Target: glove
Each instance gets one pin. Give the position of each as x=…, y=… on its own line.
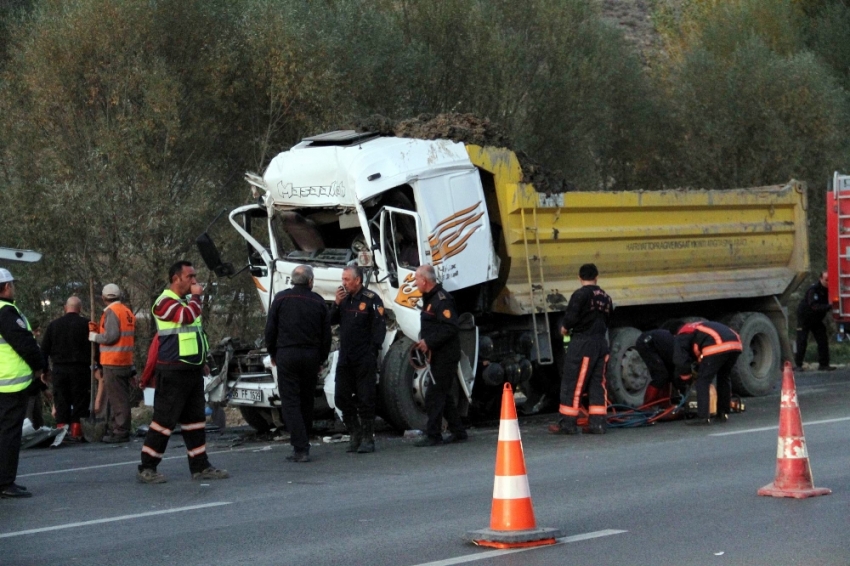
x=93, y=326
x=93, y=336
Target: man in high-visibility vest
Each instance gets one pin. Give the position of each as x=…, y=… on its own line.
x=180, y=368
x=116, y=336
x=20, y=365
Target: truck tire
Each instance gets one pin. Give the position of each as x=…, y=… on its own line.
x=257, y=418
x=627, y=375
x=401, y=390
x=759, y=367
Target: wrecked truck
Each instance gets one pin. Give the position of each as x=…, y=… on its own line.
x=509, y=252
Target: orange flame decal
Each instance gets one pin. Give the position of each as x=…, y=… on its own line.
x=408, y=293
x=451, y=234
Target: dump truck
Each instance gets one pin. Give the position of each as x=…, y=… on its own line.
x=509, y=252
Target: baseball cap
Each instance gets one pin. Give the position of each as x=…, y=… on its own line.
x=5, y=276
x=111, y=291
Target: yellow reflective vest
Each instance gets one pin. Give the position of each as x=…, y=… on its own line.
x=15, y=373
x=184, y=343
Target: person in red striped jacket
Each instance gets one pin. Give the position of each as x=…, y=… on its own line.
x=714, y=348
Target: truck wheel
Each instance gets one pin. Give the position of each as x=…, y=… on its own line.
x=627, y=375
x=259, y=419
x=759, y=366
x=402, y=389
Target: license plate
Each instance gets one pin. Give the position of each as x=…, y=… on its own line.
x=248, y=394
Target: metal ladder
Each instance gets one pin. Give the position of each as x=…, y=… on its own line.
x=841, y=193
x=537, y=291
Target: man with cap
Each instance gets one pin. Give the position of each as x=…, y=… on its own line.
x=66, y=345
x=20, y=366
x=116, y=337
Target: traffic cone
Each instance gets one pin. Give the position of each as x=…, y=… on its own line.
x=793, y=472
x=512, y=523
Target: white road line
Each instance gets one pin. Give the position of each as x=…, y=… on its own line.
x=113, y=519
x=136, y=461
x=764, y=428
x=493, y=553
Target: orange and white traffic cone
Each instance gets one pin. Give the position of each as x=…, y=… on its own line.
x=512, y=523
x=793, y=471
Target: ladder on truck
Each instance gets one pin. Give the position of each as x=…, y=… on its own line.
x=536, y=290
x=841, y=199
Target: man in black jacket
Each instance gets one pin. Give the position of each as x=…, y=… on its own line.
x=810, y=313
x=362, y=328
x=66, y=345
x=586, y=321
x=298, y=338
x=439, y=337
x=20, y=369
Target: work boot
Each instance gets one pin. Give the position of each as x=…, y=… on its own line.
x=298, y=457
x=211, y=473
x=698, y=422
x=356, y=432
x=368, y=437
x=597, y=425
x=149, y=475
x=460, y=436
x=427, y=441
x=14, y=491
x=565, y=425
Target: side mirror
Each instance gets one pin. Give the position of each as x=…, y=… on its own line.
x=211, y=257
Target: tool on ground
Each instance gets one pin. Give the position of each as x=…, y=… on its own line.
x=512, y=523
x=793, y=471
x=93, y=427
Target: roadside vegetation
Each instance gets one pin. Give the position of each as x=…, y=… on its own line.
x=126, y=127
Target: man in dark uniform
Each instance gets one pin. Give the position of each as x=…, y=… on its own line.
x=362, y=328
x=20, y=368
x=586, y=321
x=715, y=348
x=810, y=312
x=66, y=344
x=655, y=348
x=439, y=337
x=298, y=338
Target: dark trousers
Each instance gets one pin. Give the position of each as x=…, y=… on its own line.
x=297, y=373
x=584, y=368
x=818, y=330
x=116, y=381
x=13, y=407
x=179, y=398
x=355, y=389
x=719, y=366
x=441, y=397
x=71, y=393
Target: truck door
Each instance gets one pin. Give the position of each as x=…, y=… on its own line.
x=402, y=249
x=459, y=240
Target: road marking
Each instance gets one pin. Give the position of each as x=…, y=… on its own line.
x=764, y=428
x=493, y=553
x=113, y=519
x=65, y=471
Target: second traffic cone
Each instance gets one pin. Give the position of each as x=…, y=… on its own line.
x=512, y=523
x=793, y=471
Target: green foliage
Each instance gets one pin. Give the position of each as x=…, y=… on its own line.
x=125, y=127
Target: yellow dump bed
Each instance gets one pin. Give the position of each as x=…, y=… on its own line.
x=651, y=247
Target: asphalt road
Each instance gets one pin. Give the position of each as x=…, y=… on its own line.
x=667, y=494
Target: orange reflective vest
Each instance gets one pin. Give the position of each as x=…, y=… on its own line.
x=121, y=352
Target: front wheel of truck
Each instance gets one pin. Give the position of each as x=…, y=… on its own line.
x=257, y=418
x=402, y=389
x=759, y=367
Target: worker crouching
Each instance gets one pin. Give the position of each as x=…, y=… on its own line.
x=714, y=348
